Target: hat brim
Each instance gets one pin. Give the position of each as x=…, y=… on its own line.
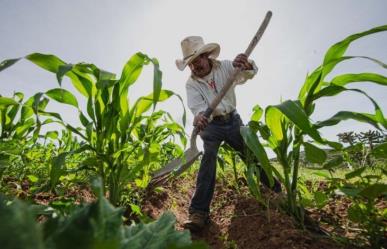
x=212, y=48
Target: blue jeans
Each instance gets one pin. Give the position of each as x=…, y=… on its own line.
x=213, y=135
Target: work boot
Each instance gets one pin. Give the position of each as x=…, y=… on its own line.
x=196, y=221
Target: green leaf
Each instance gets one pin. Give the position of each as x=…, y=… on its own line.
x=274, y=119
x=328, y=67
x=355, y=173
x=7, y=63
x=334, y=90
x=157, y=83
x=131, y=71
x=18, y=228
x=98, y=225
x=344, y=79
x=320, y=198
x=256, y=147
x=144, y=103
x=310, y=84
x=314, y=154
x=57, y=169
x=322, y=174
x=49, y=62
x=32, y=178
x=257, y=113
x=158, y=234
x=355, y=213
x=253, y=178
x=293, y=111
x=345, y=115
x=184, y=117
x=380, y=151
x=337, y=50
x=62, y=96
x=52, y=134
x=373, y=191
x=105, y=84
x=51, y=114
x=5, y=102
x=83, y=119
x=55, y=65
x=350, y=191
x=333, y=163
x=62, y=70
x=332, y=57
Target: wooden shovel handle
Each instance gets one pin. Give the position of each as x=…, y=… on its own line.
x=231, y=79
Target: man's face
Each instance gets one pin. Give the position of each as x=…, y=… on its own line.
x=201, y=65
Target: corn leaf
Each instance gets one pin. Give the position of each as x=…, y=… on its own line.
x=157, y=84
x=355, y=173
x=333, y=89
x=256, y=147
x=62, y=96
x=55, y=65
x=293, y=111
x=333, y=56
x=310, y=84
x=5, y=102
x=274, y=119
x=143, y=104
x=380, y=151
x=7, y=63
x=345, y=115
x=314, y=154
x=132, y=70
x=62, y=70
x=344, y=79
x=373, y=191
x=337, y=50
x=333, y=163
x=257, y=113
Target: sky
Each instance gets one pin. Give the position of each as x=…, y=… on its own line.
x=107, y=33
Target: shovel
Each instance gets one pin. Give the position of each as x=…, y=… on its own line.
x=179, y=165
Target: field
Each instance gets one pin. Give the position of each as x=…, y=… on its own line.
x=88, y=186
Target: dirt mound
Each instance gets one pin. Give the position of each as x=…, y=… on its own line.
x=237, y=219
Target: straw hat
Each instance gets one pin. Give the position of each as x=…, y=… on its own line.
x=192, y=46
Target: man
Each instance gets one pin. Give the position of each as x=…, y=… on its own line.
x=208, y=76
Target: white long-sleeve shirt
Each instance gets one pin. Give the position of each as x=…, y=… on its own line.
x=201, y=91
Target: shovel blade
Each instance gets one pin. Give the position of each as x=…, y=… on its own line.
x=179, y=165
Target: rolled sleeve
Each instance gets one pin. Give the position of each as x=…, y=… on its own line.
x=245, y=75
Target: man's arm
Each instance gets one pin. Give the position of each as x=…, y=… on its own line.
x=242, y=62
x=248, y=67
x=197, y=105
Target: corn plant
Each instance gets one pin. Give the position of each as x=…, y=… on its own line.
x=110, y=121
x=20, y=125
x=17, y=119
x=288, y=125
x=228, y=156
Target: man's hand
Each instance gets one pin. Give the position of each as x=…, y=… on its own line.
x=241, y=62
x=200, y=121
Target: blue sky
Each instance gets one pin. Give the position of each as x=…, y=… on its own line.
x=107, y=33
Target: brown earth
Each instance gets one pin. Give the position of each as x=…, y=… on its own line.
x=237, y=219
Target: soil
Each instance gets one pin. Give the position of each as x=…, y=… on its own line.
x=237, y=219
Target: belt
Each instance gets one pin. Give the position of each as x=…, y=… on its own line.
x=226, y=117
